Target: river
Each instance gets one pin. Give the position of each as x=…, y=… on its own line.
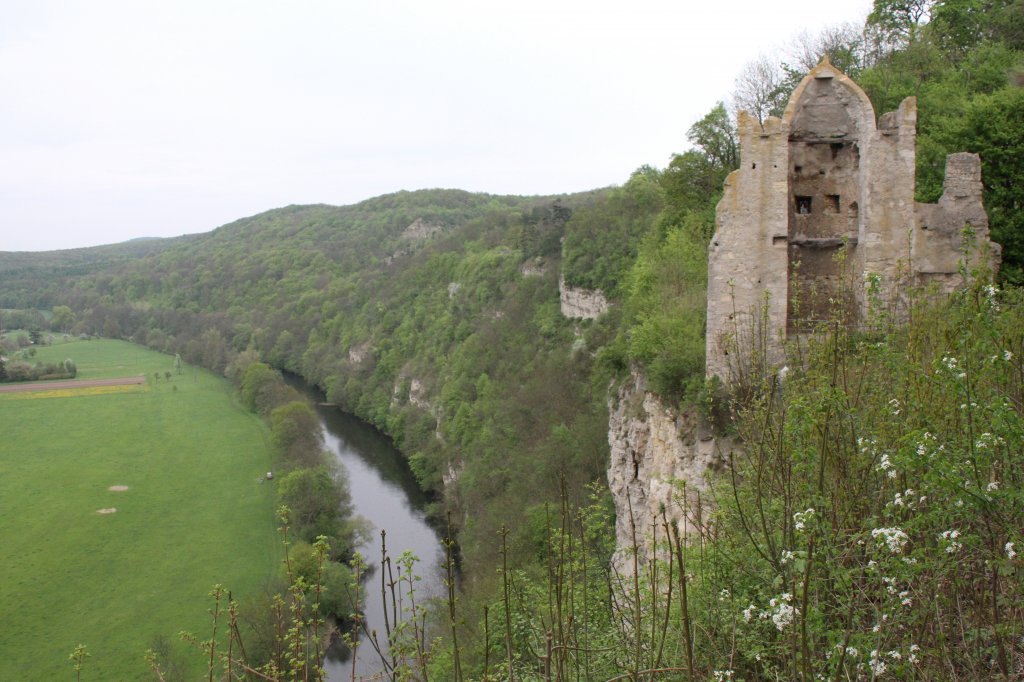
x=385, y=493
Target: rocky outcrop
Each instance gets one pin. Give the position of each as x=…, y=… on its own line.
x=655, y=455
x=535, y=267
x=417, y=231
x=585, y=304
x=360, y=353
x=418, y=396
x=420, y=229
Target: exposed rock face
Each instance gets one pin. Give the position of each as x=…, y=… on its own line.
x=823, y=201
x=420, y=229
x=654, y=452
x=533, y=268
x=359, y=354
x=450, y=477
x=581, y=303
x=418, y=396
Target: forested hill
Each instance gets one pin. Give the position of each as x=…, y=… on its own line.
x=433, y=314
x=349, y=236
x=24, y=272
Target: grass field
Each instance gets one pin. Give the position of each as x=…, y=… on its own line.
x=196, y=512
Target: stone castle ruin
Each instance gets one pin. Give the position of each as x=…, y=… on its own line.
x=823, y=202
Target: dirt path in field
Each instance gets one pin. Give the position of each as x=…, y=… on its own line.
x=85, y=383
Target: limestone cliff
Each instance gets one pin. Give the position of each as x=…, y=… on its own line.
x=654, y=452
x=585, y=304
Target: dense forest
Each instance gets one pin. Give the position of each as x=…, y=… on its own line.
x=434, y=315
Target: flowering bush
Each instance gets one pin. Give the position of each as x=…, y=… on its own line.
x=869, y=523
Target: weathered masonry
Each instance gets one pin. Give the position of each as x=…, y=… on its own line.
x=822, y=203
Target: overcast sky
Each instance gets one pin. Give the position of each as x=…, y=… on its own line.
x=143, y=119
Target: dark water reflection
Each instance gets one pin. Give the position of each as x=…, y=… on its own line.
x=385, y=493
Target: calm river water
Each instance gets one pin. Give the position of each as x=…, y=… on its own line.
x=385, y=493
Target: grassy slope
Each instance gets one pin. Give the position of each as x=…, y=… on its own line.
x=196, y=513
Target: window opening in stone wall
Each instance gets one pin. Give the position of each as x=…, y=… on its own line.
x=832, y=203
x=836, y=147
x=797, y=169
x=803, y=205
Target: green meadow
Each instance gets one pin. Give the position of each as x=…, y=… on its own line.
x=119, y=511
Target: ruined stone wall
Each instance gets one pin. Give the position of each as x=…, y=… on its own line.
x=747, y=255
x=938, y=246
x=889, y=202
x=822, y=199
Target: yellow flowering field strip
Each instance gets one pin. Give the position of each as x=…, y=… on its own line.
x=75, y=392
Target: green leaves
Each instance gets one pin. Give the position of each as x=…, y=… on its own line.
x=666, y=301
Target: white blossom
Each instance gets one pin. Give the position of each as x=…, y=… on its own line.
x=904, y=499
x=877, y=664
x=950, y=538
x=1010, y=551
x=783, y=616
x=800, y=518
x=783, y=612
x=988, y=440
x=894, y=538
x=991, y=291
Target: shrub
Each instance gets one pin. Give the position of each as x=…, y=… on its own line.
x=296, y=435
x=319, y=502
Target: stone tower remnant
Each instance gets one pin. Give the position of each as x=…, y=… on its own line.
x=822, y=203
